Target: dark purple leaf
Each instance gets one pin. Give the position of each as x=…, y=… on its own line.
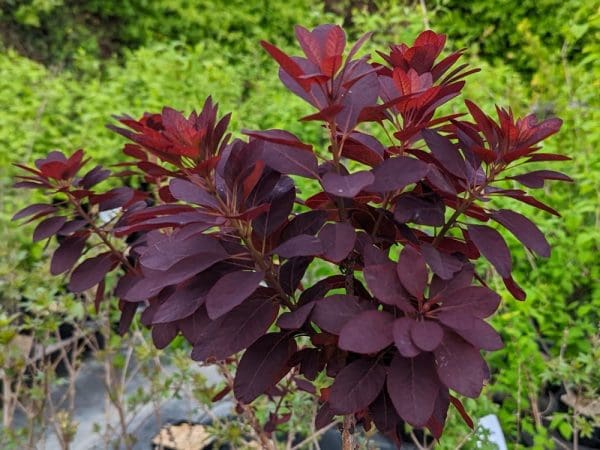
x=547, y=157
x=194, y=325
x=281, y=198
x=475, y=331
x=445, y=152
x=306, y=223
x=90, y=272
x=442, y=264
x=397, y=173
x=338, y=240
x=524, y=230
x=188, y=192
x=154, y=303
x=382, y=280
x=152, y=281
x=356, y=386
x=290, y=160
x=419, y=210
x=438, y=180
x=201, y=220
x=186, y=298
x=94, y=176
x=455, y=318
x=462, y=278
x=324, y=416
x=310, y=362
x=332, y=313
x=437, y=421
x=536, y=178
x=29, y=185
x=295, y=319
x=115, y=198
x=263, y=365
x=463, y=413
x=231, y=290
x=491, y=245
x=292, y=271
x=287, y=64
x=402, y=339
x=301, y=245
x=48, y=227
x=71, y=226
x=372, y=255
x=477, y=301
x=163, y=334
x=38, y=209
x=383, y=413
x=363, y=148
x=347, y=186
x=412, y=271
x=279, y=137
x=459, y=365
x=67, y=254
x=362, y=94
x=170, y=249
x=426, y=335
x=368, y=332
x=515, y=290
x=128, y=310
x=413, y=386
x=321, y=288
x=235, y=330
x=305, y=386
x=100, y=290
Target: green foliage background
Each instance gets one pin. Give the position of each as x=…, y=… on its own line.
x=66, y=66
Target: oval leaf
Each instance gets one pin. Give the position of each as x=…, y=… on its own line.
x=401, y=332
x=491, y=244
x=524, y=230
x=397, y=173
x=90, y=272
x=347, y=186
x=368, y=332
x=338, y=240
x=231, y=290
x=412, y=271
x=262, y=366
x=459, y=365
x=426, y=335
x=48, y=227
x=67, y=254
x=332, y=313
x=356, y=386
x=302, y=245
x=413, y=387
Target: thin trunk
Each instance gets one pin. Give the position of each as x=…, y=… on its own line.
x=347, y=433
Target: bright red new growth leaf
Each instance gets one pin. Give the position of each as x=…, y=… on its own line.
x=216, y=245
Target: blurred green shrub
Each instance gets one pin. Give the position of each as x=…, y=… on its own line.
x=493, y=27
x=59, y=32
